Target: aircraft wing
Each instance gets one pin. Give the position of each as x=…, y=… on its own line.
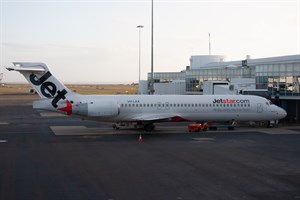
x=158, y=117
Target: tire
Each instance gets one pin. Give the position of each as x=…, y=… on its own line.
x=149, y=127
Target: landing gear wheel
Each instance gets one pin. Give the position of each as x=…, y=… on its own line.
x=115, y=127
x=270, y=125
x=149, y=127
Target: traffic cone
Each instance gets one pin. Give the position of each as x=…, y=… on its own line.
x=140, y=139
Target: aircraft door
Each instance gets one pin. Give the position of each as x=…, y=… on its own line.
x=260, y=108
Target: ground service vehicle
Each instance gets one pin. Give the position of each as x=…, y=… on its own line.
x=197, y=127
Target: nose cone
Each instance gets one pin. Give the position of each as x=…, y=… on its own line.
x=278, y=113
x=281, y=113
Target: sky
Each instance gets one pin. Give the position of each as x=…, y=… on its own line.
x=97, y=41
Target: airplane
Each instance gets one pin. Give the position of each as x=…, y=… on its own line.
x=143, y=110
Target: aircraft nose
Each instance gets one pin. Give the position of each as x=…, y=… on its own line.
x=279, y=112
x=282, y=113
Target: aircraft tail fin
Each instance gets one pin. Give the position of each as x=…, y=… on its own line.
x=42, y=80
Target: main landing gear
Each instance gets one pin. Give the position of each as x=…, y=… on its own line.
x=149, y=127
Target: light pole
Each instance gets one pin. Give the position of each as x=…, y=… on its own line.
x=140, y=27
x=152, y=78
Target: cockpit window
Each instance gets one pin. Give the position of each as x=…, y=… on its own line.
x=269, y=103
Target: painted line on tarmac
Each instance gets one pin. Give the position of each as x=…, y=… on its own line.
x=80, y=130
x=204, y=139
x=3, y=141
x=277, y=131
x=52, y=114
x=4, y=123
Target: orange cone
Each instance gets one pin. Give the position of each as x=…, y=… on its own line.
x=140, y=139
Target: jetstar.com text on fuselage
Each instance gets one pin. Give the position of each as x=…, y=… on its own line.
x=231, y=101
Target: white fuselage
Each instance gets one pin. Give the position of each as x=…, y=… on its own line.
x=129, y=108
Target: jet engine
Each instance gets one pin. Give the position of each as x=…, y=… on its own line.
x=96, y=109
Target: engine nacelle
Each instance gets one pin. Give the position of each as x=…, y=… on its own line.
x=97, y=109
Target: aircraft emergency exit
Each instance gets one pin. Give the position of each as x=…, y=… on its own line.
x=144, y=110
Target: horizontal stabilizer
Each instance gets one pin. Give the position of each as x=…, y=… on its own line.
x=19, y=69
x=27, y=67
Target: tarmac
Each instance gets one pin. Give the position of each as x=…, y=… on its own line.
x=52, y=156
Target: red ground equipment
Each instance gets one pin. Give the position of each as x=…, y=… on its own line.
x=196, y=127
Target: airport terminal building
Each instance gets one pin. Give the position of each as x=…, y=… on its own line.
x=279, y=77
